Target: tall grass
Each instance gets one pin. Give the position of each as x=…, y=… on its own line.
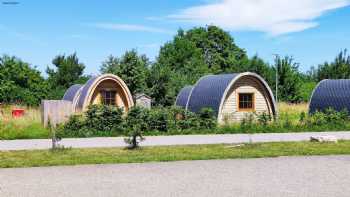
x=25, y=127
x=291, y=111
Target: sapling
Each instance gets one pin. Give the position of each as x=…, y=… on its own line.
x=135, y=137
x=54, y=138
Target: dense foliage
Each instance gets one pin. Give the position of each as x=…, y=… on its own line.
x=189, y=56
x=182, y=61
x=19, y=83
x=68, y=71
x=131, y=67
x=338, y=69
x=100, y=120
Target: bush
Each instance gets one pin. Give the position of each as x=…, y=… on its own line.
x=158, y=119
x=247, y=122
x=75, y=127
x=104, y=118
x=98, y=120
x=264, y=118
x=329, y=117
x=207, y=118
x=137, y=116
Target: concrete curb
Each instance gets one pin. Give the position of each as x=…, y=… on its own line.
x=169, y=140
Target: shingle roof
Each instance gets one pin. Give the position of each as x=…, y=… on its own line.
x=331, y=93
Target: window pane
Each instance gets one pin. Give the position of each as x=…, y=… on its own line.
x=245, y=101
x=108, y=97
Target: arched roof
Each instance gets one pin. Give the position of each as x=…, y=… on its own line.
x=72, y=92
x=85, y=91
x=331, y=93
x=182, y=97
x=210, y=92
x=81, y=95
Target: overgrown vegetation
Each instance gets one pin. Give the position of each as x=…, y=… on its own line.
x=101, y=120
x=27, y=127
x=169, y=121
x=11, y=159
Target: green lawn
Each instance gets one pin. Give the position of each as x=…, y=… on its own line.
x=167, y=153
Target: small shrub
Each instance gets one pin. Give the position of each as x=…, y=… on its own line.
x=207, y=118
x=287, y=123
x=247, y=122
x=158, y=119
x=264, y=118
x=136, y=123
x=135, y=137
x=302, y=118
x=137, y=116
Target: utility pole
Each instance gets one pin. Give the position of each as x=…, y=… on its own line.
x=276, y=80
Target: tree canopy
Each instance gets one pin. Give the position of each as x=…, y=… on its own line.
x=67, y=72
x=289, y=79
x=19, y=83
x=189, y=56
x=338, y=69
x=131, y=67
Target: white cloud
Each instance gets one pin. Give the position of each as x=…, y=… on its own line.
x=131, y=27
x=274, y=17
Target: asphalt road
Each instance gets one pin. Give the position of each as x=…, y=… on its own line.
x=284, y=176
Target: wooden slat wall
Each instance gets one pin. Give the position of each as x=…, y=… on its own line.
x=244, y=85
x=58, y=111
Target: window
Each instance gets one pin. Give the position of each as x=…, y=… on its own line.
x=108, y=97
x=245, y=101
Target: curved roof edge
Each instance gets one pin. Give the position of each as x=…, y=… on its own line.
x=93, y=82
x=313, y=92
x=208, y=92
x=211, y=91
x=240, y=75
x=334, y=93
x=183, y=96
x=72, y=92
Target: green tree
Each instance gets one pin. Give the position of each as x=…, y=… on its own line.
x=68, y=71
x=189, y=56
x=131, y=67
x=219, y=51
x=289, y=79
x=338, y=69
x=260, y=67
x=19, y=83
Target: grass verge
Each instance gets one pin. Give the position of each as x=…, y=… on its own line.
x=10, y=159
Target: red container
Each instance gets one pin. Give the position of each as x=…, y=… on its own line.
x=16, y=113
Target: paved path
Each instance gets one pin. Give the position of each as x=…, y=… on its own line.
x=168, y=140
x=274, y=177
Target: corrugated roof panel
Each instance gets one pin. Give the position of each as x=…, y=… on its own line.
x=331, y=93
x=85, y=91
x=71, y=92
x=208, y=92
x=182, y=97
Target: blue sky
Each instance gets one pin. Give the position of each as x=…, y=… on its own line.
x=313, y=31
